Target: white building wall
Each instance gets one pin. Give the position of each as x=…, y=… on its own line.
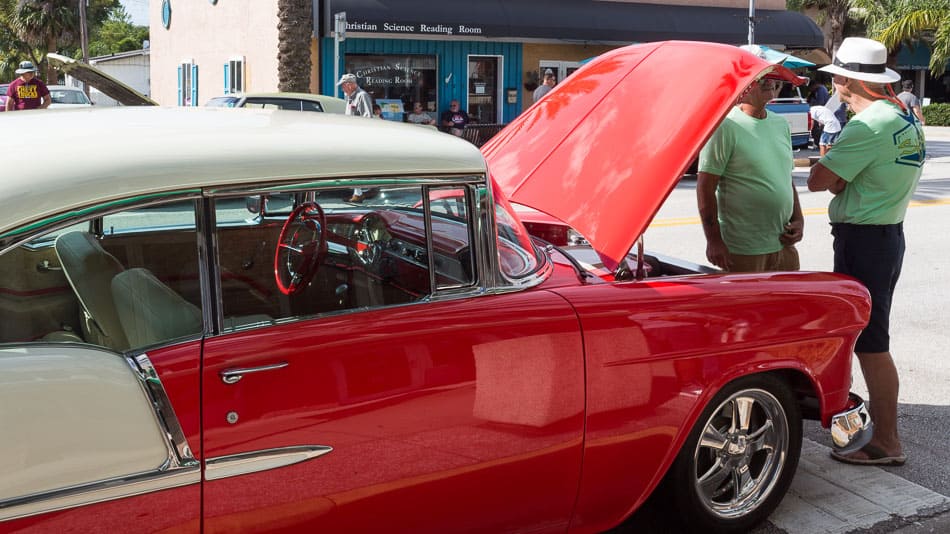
x=209, y=35
x=131, y=70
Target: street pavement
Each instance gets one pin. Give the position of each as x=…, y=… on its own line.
x=827, y=497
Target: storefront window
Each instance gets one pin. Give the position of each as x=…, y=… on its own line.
x=395, y=79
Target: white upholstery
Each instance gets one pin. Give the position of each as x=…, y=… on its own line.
x=90, y=269
x=150, y=311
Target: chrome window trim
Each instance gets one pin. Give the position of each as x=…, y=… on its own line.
x=293, y=185
x=180, y=467
x=263, y=460
x=59, y=221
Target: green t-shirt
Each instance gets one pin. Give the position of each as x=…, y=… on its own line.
x=753, y=158
x=879, y=153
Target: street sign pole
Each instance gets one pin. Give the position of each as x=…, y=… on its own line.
x=751, y=22
x=339, y=35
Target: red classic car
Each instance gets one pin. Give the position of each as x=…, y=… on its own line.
x=171, y=360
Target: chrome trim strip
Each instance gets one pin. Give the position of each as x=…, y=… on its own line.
x=263, y=460
x=180, y=468
x=96, y=492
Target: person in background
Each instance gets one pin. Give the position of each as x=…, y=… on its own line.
x=377, y=111
x=455, y=119
x=358, y=101
x=549, y=82
x=817, y=96
x=747, y=202
x=358, y=104
x=830, y=127
x=418, y=116
x=872, y=171
x=27, y=91
x=910, y=100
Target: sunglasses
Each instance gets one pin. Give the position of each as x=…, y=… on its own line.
x=769, y=85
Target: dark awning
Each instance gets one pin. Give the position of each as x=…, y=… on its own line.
x=590, y=21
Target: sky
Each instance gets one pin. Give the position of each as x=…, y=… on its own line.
x=138, y=10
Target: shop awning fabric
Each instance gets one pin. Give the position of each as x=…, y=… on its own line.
x=589, y=21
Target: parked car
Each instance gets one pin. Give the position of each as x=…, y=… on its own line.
x=109, y=86
x=66, y=97
x=793, y=108
x=288, y=101
x=415, y=362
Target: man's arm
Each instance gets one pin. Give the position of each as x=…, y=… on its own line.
x=45, y=101
x=8, y=106
x=920, y=115
x=716, y=250
x=822, y=179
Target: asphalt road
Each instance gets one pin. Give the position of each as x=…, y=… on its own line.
x=827, y=497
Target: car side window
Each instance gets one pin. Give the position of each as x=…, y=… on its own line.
x=338, y=250
x=136, y=285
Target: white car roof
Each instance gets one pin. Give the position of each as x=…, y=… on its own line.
x=62, y=161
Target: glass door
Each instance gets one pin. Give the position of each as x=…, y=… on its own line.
x=484, y=104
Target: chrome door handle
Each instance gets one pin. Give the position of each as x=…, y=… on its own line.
x=233, y=376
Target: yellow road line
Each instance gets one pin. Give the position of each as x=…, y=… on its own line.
x=687, y=221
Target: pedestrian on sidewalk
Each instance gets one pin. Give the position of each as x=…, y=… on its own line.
x=360, y=104
x=910, y=100
x=830, y=127
x=872, y=170
x=747, y=202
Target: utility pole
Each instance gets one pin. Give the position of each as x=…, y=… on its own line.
x=751, y=22
x=84, y=38
x=339, y=35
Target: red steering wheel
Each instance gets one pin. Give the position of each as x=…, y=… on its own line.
x=300, y=248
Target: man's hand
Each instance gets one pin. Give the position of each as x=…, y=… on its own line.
x=794, y=231
x=821, y=179
x=717, y=253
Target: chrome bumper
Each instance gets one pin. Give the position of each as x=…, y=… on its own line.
x=852, y=428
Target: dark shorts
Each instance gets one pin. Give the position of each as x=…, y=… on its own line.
x=873, y=254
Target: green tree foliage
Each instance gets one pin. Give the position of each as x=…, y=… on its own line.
x=837, y=12
x=31, y=28
x=116, y=34
x=896, y=22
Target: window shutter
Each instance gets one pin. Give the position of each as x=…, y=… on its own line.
x=227, y=79
x=194, y=85
x=181, y=95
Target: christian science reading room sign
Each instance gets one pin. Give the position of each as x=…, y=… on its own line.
x=415, y=28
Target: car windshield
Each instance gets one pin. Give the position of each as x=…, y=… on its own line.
x=3, y=90
x=68, y=96
x=222, y=102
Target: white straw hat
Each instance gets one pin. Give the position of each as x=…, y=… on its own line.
x=862, y=59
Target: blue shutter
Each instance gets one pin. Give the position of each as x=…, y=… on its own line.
x=194, y=85
x=227, y=81
x=181, y=95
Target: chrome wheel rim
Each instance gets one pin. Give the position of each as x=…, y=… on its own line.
x=740, y=454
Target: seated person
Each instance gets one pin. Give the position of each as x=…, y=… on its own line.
x=455, y=119
x=418, y=116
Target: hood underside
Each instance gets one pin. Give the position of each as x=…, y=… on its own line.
x=605, y=147
x=106, y=84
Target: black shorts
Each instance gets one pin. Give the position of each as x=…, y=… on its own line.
x=873, y=254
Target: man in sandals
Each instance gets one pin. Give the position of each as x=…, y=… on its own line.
x=872, y=170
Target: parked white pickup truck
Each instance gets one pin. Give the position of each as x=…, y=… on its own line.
x=794, y=108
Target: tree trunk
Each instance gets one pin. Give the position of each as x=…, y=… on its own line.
x=294, y=33
x=837, y=17
x=50, y=71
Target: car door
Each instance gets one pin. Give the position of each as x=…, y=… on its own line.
x=401, y=409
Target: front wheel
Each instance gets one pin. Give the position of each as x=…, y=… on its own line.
x=739, y=460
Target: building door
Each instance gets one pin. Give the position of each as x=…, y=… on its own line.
x=484, y=89
x=561, y=69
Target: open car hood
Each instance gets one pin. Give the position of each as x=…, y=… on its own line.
x=605, y=147
x=105, y=83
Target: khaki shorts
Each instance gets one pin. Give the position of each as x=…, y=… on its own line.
x=783, y=260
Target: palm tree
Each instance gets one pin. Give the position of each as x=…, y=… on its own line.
x=837, y=13
x=47, y=24
x=294, y=32
x=909, y=21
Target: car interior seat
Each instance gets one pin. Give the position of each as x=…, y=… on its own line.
x=150, y=311
x=90, y=270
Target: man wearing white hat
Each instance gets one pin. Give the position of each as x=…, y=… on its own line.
x=872, y=170
x=27, y=91
x=359, y=104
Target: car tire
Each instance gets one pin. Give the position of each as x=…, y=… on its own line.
x=762, y=457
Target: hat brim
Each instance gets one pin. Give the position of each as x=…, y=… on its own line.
x=888, y=76
x=24, y=71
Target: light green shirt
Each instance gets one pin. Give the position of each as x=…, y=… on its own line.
x=880, y=154
x=753, y=158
